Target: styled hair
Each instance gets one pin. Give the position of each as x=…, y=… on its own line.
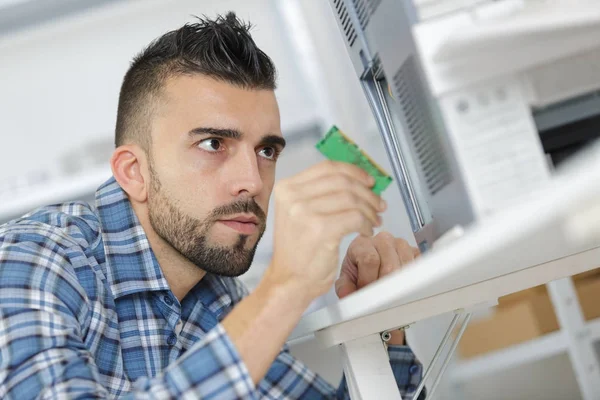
x=222, y=49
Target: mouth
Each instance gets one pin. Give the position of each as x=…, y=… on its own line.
x=245, y=224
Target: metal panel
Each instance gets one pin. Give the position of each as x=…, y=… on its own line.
x=364, y=10
x=347, y=22
x=429, y=151
x=381, y=46
x=441, y=196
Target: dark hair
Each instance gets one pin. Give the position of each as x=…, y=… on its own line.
x=221, y=48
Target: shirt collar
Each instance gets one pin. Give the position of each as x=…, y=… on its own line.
x=131, y=265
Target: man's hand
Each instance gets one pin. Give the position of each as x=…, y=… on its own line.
x=370, y=258
x=314, y=210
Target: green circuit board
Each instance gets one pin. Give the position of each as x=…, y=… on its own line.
x=336, y=146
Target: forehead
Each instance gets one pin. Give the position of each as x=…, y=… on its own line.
x=192, y=101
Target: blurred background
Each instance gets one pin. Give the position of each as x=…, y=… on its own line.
x=60, y=74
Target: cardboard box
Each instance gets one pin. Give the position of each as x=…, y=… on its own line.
x=591, y=274
x=514, y=298
x=518, y=296
x=525, y=316
x=588, y=291
x=516, y=322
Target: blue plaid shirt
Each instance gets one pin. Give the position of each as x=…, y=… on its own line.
x=86, y=312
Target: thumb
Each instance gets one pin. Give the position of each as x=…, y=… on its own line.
x=344, y=286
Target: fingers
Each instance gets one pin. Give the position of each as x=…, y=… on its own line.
x=347, y=222
x=391, y=258
x=345, y=286
x=328, y=168
x=416, y=252
x=361, y=251
x=342, y=202
x=341, y=183
x=364, y=256
x=405, y=251
x=394, y=253
x=333, y=189
x=372, y=258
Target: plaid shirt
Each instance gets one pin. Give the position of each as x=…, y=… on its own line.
x=86, y=312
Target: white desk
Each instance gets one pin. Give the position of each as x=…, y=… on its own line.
x=554, y=235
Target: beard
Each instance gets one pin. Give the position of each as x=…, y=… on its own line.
x=189, y=236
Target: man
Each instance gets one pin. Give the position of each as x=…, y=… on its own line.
x=137, y=297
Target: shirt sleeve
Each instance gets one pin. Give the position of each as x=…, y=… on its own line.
x=43, y=353
x=408, y=371
x=290, y=378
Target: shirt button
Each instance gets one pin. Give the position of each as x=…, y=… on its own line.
x=172, y=340
x=178, y=327
x=168, y=300
x=413, y=369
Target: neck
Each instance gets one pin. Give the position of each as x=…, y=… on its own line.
x=180, y=273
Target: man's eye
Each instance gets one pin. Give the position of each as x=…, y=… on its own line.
x=269, y=153
x=212, y=145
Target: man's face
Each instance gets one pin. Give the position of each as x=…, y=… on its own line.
x=212, y=166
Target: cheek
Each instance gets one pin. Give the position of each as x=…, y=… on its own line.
x=267, y=174
x=199, y=175
x=202, y=163
x=193, y=192
x=268, y=183
x=193, y=183
x=204, y=193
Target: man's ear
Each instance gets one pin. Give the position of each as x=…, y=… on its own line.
x=130, y=168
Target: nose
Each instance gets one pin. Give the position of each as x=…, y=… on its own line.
x=244, y=175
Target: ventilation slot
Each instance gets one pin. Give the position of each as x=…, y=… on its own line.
x=364, y=10
x=345, y=21
x=374, y=4
x=421, y=129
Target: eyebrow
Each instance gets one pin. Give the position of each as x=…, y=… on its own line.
x=273, y=140
x=225, y=133
x=267, y=140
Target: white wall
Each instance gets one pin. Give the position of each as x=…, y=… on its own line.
x=59, y=83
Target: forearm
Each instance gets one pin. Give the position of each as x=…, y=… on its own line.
x=261, y=323
x=397, y=338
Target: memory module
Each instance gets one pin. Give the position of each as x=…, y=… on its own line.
x=336, y=146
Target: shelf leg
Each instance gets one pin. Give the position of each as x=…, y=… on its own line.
x=579, y=338
x=367, y=369
x=438, y=353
